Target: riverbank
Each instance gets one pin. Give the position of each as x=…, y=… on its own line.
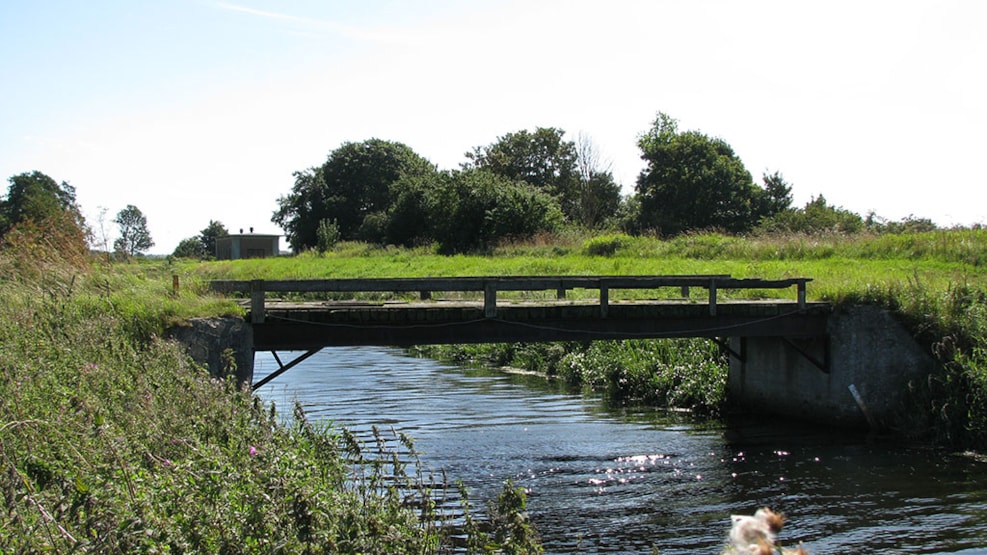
x=686, y=374
x=111, y=441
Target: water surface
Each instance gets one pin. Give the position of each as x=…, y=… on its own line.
x=613, y=481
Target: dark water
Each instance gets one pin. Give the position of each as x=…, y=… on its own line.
x=604, y=481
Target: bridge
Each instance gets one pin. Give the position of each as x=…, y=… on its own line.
x=307, y=315
x=847, y=365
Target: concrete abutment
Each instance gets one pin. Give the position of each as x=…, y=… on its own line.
x=224, y=346
x=858, y=376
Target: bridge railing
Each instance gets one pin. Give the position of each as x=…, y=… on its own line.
x=490, y=286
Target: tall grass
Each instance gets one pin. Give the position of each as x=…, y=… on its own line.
x=112, y=441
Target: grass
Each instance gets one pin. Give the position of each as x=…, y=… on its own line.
x=838, y=264
x=112, y=441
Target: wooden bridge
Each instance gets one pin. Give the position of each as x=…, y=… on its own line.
x=307, y=315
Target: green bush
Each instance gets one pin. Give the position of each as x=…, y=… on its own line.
x=672, y=373
x=327, y=235
x=475, y=209
x=605, y=245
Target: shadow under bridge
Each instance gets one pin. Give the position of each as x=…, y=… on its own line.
x=307, y=315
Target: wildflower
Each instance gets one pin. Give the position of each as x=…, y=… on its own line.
x=253, y=451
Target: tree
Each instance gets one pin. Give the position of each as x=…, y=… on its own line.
x=542, y=159
x=209, y=234
x=693, y=182
x=355, y=182
x=134, y=237
x=203, y=245
x=300, y=212
x=41, y=226
x=776, y=196
x=816, y=217
x=412, y=215
x=35, y=196
x=908, y=224
x=598, y=201
x=474, y=209
x=598, y=195
x=103, y=237
x=190, y=247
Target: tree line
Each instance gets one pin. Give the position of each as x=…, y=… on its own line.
x=529, y=182
x=522, y=184
x=38, y=213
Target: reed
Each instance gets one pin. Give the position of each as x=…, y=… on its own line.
x=112, y=441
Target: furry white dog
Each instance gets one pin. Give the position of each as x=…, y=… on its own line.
x=755, y=535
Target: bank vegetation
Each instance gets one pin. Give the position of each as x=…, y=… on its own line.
x=113, y=441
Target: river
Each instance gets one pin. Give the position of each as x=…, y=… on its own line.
x=601, y=480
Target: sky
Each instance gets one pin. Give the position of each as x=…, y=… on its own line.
x=200, y=110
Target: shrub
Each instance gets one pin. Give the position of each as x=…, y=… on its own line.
x=33, y=249
x=327, y=235
x=605, y=245
x=670, y=373
x=475, y=210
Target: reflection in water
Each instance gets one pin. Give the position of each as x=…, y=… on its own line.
x=604, y=481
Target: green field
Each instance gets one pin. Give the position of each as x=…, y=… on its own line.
x=839, y=265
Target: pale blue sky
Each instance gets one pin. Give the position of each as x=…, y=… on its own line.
x=195, y=110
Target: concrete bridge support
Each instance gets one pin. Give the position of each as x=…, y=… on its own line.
x=225, y=346
x=857, y=376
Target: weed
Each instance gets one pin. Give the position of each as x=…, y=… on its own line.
x=111, y=440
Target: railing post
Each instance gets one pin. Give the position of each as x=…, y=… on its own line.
x=490, y=299
x=801, y=295
x=604, y=299
x=712, y=297
x=257, y=301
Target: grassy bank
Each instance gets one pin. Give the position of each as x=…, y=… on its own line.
x=935, y=281
x=112, y=442
x=668, y=373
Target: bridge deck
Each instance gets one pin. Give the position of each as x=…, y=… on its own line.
x=303, y=326
x=281, y=325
